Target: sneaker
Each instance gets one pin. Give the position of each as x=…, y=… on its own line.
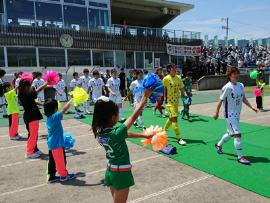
x=182, y=142
x=88, y=113
x=136, y=125
x=122, y=120
x=16, y=138
x=163, y=116
x=219, y=149
x=54, y=180
x=68, y=177
x=32, y=156
x=144, y=128
x=40, y=152
x=243, y=160
x=189, y=120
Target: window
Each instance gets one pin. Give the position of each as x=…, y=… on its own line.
x=130, y=60
x=81, y=2
x=148, y=60
x=75, y=17
x=49, y=19
x=52, y=57
x=20, y=12
x=104, y=18
x=93, y=17
x=139, y=60
x=98, y=58
x=2, y=57
x=120, y=59
x=164, y=58
x=108, y=59
x=21, y=57
x=95, y=4
x=79, y=57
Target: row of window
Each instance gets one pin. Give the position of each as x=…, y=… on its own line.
x=23, y=12
x=26, y=57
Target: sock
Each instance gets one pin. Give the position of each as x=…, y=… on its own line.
x=224, y=139
x=238, y=147
x=168, y=124
x=121, y=111
x=176, y=130
x=140, y=121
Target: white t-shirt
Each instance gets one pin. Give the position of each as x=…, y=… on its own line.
x=74, y=83
x=84, y=81
x=134, y=86
x=114, y=85
x=232, y=97
x=96, y=85
x=36, y=84
x=60, y=86
x=17, y=82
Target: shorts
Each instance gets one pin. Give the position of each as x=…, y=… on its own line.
x=233, y=126
x=172, y=110
x=119, y=180
x=2, y=101
x=116, y=99
x=61, y=98
x=95, y=97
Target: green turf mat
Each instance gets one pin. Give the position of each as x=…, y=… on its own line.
x=200, y=153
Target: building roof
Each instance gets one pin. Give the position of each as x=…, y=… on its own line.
x=147, y=13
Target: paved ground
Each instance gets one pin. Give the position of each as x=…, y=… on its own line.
x=158, y=179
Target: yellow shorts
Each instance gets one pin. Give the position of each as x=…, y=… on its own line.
x=172, y=110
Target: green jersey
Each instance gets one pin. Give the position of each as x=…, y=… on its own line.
x=188, y=86
x=114, y=142
x=11, y=99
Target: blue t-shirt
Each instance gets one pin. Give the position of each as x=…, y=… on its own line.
x=55, y=131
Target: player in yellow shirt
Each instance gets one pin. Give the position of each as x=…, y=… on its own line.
x=172, y=84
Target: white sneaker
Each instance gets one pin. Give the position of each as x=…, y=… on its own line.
x=182, y=142
x=32, y=156
x=163, y=116
x=40, y=152
x=17, y=137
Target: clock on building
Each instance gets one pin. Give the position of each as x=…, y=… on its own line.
x=66, y=40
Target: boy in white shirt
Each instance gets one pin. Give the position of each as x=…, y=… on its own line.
x=60, y=89
x=96, y=86
x=232, y=97
x=113, y=85
x=83, y=82
x=38, y=82
x=73, y=84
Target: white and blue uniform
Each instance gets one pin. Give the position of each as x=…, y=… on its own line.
x=73, y=84
x=36, y=84
x=97, y=87
x=2, y=98
x=84, y=82
x=135, y=85
x=232, y=96
x=60, y=91
x=114, y=85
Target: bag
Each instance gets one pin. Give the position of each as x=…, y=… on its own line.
x=169, y=150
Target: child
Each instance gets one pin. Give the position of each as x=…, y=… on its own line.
x=27, y=96
x=96, y=86
x=232, y=97
x=118, y=175
x=3, y=104
x=38, y=82
x=60, y=89
x=83, y=82
x=137, y=84
x=161, y=99
x=187, y=85
x=12, y=111
x=73, y=84
x=57, y=156
x=113, y=85
x=259, y=99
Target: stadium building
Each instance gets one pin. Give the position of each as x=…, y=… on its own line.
x=99, y=33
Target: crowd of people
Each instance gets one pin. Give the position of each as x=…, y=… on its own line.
x=214, y=61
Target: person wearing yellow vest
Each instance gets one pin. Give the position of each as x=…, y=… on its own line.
x=172, y=85
x=12, y=111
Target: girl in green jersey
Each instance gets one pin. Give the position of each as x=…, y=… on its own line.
x=118, y=175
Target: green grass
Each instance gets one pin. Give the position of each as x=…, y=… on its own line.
x=203, y=133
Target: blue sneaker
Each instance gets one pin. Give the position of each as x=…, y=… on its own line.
x=68, y=177
x=243, y=160
x=54, y=180
x=219, y=149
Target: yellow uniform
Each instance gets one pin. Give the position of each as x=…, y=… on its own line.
x=172, y=85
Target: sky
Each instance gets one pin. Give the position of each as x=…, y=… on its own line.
x=247, y=18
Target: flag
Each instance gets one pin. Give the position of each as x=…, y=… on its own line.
x=206, y=40
x=216, y=41
x=236, y=42
x=226, y=41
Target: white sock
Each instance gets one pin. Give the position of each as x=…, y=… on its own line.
x=224, y=139
x=238, y=147
x=121, y=111
x=140, y=121
x=4, y=109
